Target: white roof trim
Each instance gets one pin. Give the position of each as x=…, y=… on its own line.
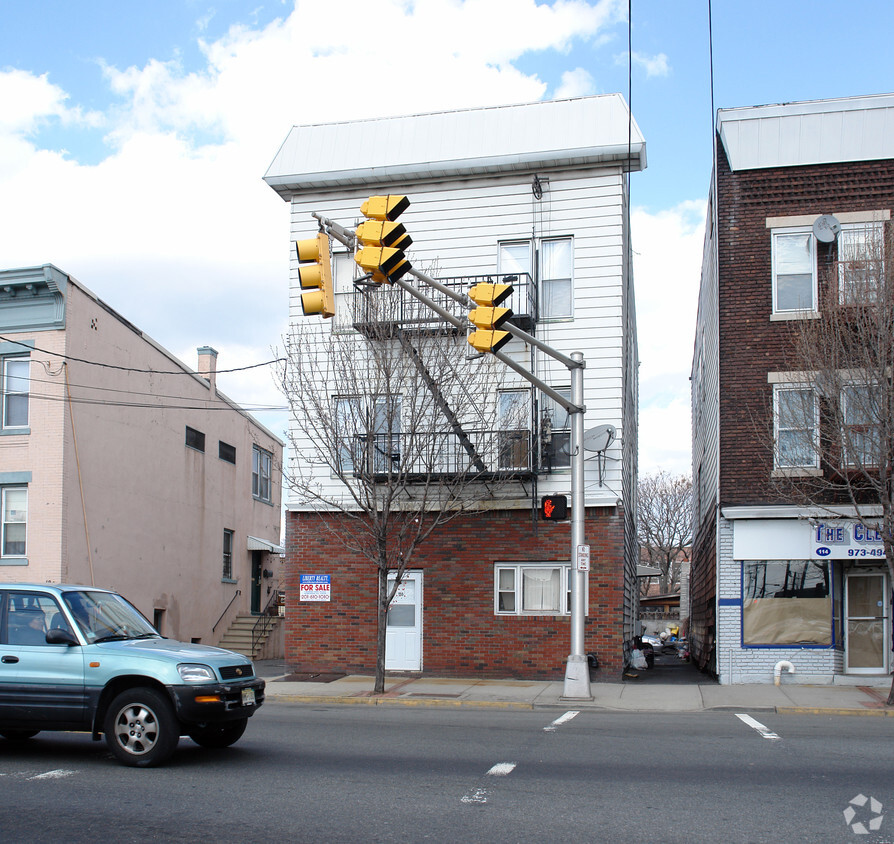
x=814, y=132
x=782, y=511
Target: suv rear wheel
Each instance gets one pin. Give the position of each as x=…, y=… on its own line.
x=140, y=728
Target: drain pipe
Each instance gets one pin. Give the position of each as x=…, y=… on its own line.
x=782, y=665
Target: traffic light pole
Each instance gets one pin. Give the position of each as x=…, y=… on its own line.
x=577, y=671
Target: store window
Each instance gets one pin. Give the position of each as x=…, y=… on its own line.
x=787, y=602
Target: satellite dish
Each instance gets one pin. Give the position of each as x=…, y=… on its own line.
x=599, y=438
x=826, y=228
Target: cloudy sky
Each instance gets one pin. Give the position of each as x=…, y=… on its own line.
x=134, y=136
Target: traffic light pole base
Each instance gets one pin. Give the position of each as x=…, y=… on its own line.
x=577, y=678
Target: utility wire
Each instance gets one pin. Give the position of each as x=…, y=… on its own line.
x=184, y=371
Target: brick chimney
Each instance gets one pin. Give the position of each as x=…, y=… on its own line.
x=208, y=365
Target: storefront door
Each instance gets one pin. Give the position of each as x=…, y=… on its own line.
x=866, y=614
x=403, y=631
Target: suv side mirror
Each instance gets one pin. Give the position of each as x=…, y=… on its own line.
x=58, y=636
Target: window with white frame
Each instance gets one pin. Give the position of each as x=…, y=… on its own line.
x=386, y=433
x=343, y=267
x=16, y=388
x=556, y=265
x=261, y=469
x=532, y=589
x=861, y=414
x=513, y=424
x=861, y=263
x=514, y=258
x=555, y=431
x=347, y=415
x=796, y=426
x=13, y=531
x=794, y=270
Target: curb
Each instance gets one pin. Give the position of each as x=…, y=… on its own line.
x=815, y=710
x=397, y=701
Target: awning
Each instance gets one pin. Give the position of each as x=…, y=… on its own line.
x=255, y=544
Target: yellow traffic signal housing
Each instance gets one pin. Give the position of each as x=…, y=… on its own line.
x=384, y=207
x=315, y=276
x=487, y=318
x=383, y=233
x=385, y=263
x=490, y=294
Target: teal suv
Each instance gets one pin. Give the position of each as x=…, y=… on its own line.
x=84, y=659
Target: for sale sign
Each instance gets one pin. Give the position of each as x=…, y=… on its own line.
x=315, y=587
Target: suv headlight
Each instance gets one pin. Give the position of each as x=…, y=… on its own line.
x=194, y=673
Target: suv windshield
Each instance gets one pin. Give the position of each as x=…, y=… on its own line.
x=103, y=616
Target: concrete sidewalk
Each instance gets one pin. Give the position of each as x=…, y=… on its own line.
x=868, y=699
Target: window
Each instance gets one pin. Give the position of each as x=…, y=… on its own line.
x=30, y=616
x=794, y=271
x=386, y=428
x=532, y=589
x=343, y=267
x=861, y=264
x=347, y=416
x=227, y=452
x=14, y=504
x=16, y=380
x=796, y=425
x=861, y=413
x=261, y=463
x=555, y=432
x=513, y=421
x=556, y=296
x=786, y=602
x=195, y=439
x=514, y=258
x=227, y=573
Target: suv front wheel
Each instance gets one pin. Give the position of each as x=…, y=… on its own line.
x=140, y=728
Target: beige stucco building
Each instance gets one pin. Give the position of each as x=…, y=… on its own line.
x=120, y=467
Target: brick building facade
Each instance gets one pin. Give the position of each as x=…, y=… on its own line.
x=778, y=170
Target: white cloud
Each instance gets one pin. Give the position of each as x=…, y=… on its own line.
x=653, y=65
x=575, y=83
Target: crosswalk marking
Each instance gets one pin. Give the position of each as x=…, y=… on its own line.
x=561, y=720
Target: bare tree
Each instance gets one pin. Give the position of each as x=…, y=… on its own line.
x=394, y=433
x=839, y=412
x=664, y=524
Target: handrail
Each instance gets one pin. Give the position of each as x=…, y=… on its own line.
x=238, y=593
x=267, y=618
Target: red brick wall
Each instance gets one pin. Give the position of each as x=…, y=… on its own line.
x=461, y=634
x=750, y=344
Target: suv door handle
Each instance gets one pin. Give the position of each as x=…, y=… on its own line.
x=9, y=659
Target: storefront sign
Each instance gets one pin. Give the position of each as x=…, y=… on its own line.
x=846, y=540
x=315, y=587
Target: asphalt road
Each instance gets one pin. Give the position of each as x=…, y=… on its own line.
x=406, y=774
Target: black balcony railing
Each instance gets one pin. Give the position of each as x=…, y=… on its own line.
x=482, y=454
x=392, y=304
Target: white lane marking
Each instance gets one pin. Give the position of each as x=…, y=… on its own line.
x=766, y=732
x=53, y=775
x=561, y=720
x=479, y=795
x=501, y=769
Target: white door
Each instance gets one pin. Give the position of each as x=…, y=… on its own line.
x=403, y=631
x=866, y=614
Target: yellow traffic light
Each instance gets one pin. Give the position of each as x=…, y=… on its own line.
x=487, y=317
x=315, y=276
x=382, y=241
x=384, y=207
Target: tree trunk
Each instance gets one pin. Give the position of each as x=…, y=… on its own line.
x=381, y=619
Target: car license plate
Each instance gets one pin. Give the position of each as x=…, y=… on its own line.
x=248, y=697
